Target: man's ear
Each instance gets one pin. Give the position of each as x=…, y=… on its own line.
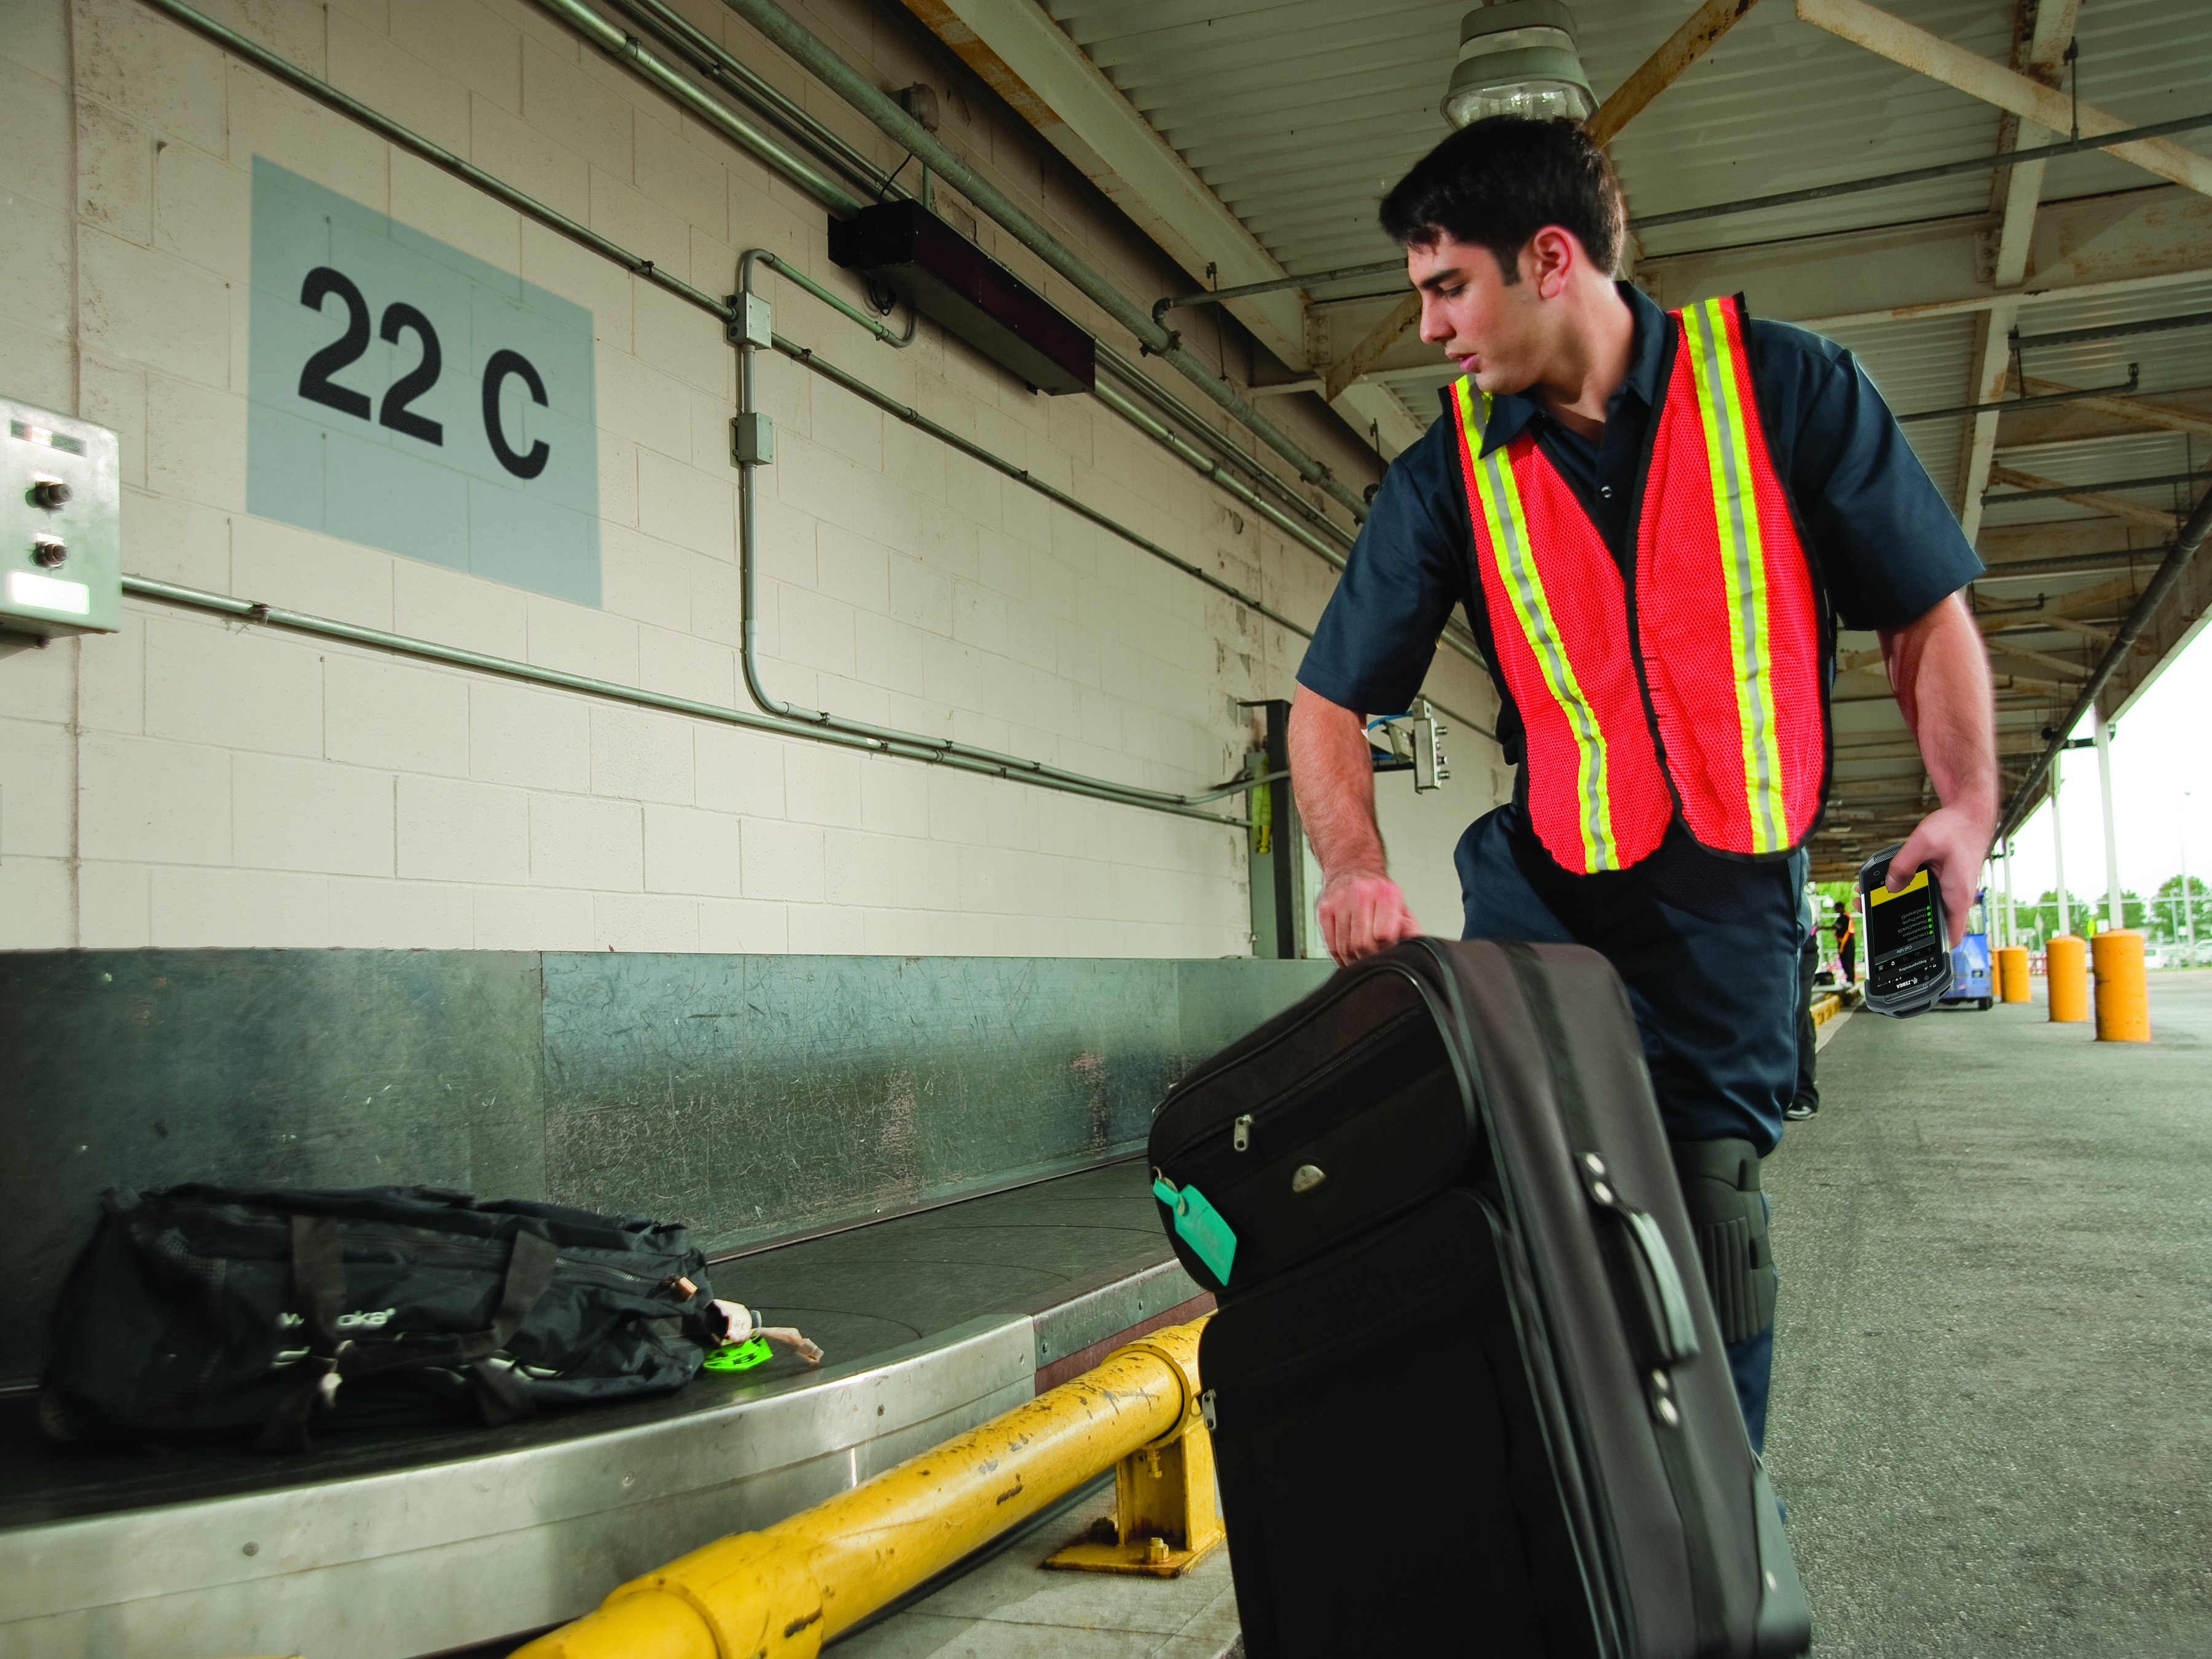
x=1549, y=260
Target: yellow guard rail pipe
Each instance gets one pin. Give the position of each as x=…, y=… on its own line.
x=782, y=1592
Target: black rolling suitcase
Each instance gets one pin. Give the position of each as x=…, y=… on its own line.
x=1467, y=1390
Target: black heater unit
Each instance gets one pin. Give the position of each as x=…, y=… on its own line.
x=943, y=275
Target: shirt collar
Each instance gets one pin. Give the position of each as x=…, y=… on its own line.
x=1509, y=412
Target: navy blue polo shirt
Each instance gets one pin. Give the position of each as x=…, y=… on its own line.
x=1885, y=545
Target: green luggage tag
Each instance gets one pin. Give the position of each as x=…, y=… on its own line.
x=739, y=1356
x=1200, y=1226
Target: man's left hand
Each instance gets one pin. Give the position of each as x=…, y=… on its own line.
x=1952, y=843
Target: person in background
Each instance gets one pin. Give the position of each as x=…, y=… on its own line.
x=1847, y=943
x=1806, y=1101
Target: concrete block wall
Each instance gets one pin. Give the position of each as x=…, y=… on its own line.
x=199, y=781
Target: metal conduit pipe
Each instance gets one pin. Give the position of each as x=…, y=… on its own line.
x=920, y=748
x=748, y=560
x=437, y=154
x=714, y=112
x=1197, y=426
x=2186, y=545
x=710, y=59
x=815, y=56
x=707, y=56
x=1011, y=769
x=786, y=1591
x=1191, y=456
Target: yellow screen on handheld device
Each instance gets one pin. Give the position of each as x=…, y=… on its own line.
x=1893, y=927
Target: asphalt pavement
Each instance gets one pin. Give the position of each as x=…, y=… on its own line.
x=1992, y=1410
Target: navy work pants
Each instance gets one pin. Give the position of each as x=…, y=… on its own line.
x=1708, y=950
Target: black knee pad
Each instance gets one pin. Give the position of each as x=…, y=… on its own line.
x=1720, y=1186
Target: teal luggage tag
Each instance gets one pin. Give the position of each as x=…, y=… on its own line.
x=1200, y=1226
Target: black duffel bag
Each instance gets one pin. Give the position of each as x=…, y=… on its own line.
x=199, y=1310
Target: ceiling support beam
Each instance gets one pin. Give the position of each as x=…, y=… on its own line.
x=1032, y=62
x=2039, y=51
x=2131, y=409
x=2088, y=247
x=1684, y=47
x=1968, y=72
x=2113, y=506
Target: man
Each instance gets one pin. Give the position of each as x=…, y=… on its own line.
x=1806, y=1101
x=1740, y=483
x=1847, y=939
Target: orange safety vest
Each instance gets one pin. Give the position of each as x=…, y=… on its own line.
x=1696, y=689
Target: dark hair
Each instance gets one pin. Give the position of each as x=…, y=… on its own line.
x=1498, y=182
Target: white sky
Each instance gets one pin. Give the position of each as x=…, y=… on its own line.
x=2161, y=791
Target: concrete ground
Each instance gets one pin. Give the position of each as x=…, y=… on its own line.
x=1011, y=1609
x=1992, y=1416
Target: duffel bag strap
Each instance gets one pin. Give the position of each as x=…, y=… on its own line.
x=318, y=1286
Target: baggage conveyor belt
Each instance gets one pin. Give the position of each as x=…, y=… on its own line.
x=383, y=1545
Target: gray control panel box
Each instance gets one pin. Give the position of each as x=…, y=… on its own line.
x=61, y=524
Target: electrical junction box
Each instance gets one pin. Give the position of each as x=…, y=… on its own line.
x=61, y=525
x=1411, y=743
x=946, y=277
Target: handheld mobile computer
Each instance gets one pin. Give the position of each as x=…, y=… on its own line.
x=1908, y=940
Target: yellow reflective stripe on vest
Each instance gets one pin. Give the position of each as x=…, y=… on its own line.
x=1743, y=569
x=1523, y=584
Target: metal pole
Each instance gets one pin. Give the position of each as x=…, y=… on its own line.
x=2188, y=899
x=790, y=1588
x=2059, y=848
x=2041, y=400
x=1215, y=296
x=2115, y=915
x=2011, y=910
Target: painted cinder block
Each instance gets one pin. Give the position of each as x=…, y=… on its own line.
x=640, y=755
x=581, y=841
x=527, y=735
x=400, y=716
x=532, y=919
x=680, y=503
x=238, y=907
x=37, y=905
x=644, y=921
x=311, y=815
x=244, y=688
x=690, y=851
x=781, y=861
x=401, y=915
x=740, y=770
x=452, y=830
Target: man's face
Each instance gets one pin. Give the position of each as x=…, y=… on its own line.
x=1490, y=329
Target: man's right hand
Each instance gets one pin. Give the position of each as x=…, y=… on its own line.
x=1362, y=912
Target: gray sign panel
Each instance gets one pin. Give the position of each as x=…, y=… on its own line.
x=409, y=396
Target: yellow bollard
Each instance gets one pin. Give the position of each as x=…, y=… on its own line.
x=782, y=1592
x=2123, y=998
x=2012, y=973
x=2066, y=971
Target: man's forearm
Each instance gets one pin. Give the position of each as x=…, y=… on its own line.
x=1333, y=779
x=1941, y=673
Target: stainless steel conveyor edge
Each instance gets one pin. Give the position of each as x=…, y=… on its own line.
x=419, y=1560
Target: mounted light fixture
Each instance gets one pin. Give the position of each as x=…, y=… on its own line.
x=1518, y=58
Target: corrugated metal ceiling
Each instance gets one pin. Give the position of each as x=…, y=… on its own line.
x=1300, y=114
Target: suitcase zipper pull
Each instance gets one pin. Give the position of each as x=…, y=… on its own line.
x=1241, y=1138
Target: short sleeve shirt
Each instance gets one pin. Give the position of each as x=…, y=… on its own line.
x=1885, y=545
